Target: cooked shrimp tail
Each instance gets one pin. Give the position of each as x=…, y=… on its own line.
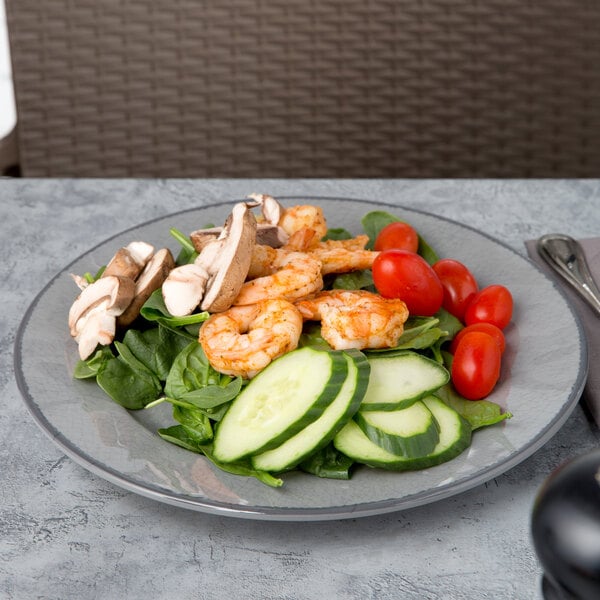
x=243, y=340
x=356, y=319
x=293, y=275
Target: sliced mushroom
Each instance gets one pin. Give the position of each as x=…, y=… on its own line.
x=271, y=209
x=271, y=235
x=99, y=328
x=202, y=237
x=115, y=292
x=183, y=289
x=151, y=278
x=80, y=282
x=129, y=261
x=92, y=314
x=227, y=259
x=266, y=234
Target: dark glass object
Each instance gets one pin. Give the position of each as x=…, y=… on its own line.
x=565, y=526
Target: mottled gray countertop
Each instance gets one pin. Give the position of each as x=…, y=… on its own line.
x=66, y=533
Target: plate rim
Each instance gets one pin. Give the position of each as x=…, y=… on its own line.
x=270, y=513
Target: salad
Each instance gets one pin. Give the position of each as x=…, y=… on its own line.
x=282, y=343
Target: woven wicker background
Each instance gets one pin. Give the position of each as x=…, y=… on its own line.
x=307, y=88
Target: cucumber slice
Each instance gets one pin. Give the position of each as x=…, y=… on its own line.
x=399, y=380
x=320, y=432
x=455, y=437
x=282, y=399
x=409, y=432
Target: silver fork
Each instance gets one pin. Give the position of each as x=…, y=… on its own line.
x=566, y=257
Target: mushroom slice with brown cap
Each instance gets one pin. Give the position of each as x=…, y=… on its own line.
x=202, y=237
x=183, y=289
x=151, y=278
x=266, y=234
x=114, y=293
x=97, y=305
x=130, y=260
x=271, y=209
x=227, y=259
x=271, y=235
x=215, y=278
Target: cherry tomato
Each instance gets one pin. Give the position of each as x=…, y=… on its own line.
x=459, y=285
x=399, y=236
x=488, y=328
x=493, y=304
x=476, y=365
x=408, y=276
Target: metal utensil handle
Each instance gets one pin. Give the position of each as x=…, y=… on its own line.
x=566, y=257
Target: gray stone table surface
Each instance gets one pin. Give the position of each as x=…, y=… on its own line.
x=66, y=533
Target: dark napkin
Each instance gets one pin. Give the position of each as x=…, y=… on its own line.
x=589, y=319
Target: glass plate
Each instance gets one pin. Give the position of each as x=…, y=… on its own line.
x=543, y=374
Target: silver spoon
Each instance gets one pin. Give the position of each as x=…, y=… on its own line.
x=566, y=257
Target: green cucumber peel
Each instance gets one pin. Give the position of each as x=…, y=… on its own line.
x=320, y=432
x=289, y=394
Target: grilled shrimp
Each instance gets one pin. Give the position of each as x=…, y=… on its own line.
x=304, y=216
x=343, y=256
x=336, y=256
x=291, y=275
x=243, y=340
x=291, y=219
x=262, y=260
x=356, y=319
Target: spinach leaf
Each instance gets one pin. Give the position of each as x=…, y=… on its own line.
x=186, y=437
x=374, y=221
x=188, y=253
x=479, y=413
x=357, y=280
x=212, y=396
x=128, y=382
x=328, y=463
x=450, y=326
x=419, y=333
x=311, y=336
x=449, y=323
x=156, y=348
x=338, y=233
x=415, y=327
x=191, y=439
x=243, y=468
x=86, y=369
x=194, y=419
x=192, y=380
x=92, y=278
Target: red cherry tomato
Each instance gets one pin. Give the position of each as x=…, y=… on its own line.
x=399, y=236
x=488, y=328
x=476, y=365
x=459, y=285
x=492, y=304
x=406, y=275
